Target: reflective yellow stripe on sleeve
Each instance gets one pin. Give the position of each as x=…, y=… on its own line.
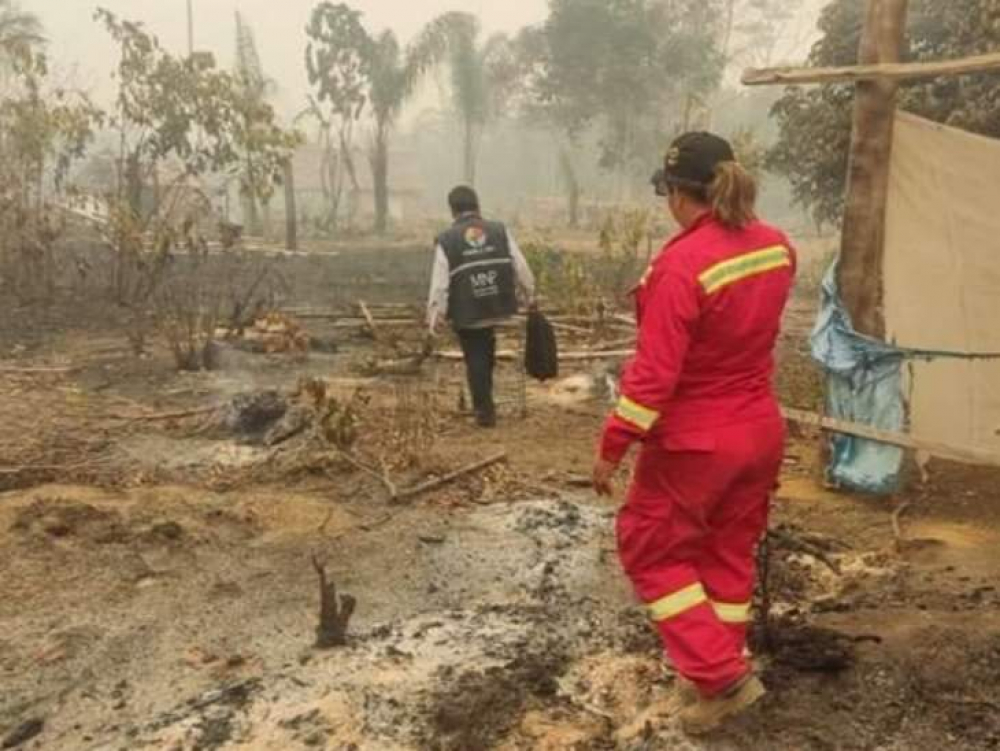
x=642, y=417
x=679, y=602
x=724, y=274
x=735, y=613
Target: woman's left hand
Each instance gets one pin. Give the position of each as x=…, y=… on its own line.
x=604, y=472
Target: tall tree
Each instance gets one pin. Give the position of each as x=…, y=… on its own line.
x=20, y=30
x=254, y=88
x=815, y=123
x=482, y=73
x=394, y=75
x=337, y=60
x=389, y=72
x=623, y=67
x=191, y=112
x=526, y=95
x=44, y=129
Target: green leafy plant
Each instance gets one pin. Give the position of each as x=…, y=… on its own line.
x=44, y=130
x=197, y=122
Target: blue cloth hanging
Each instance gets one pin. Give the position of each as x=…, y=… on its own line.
x=864, y=386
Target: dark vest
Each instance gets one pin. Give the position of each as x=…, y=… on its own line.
x=482, y=272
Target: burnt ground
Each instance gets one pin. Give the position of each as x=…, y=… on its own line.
x=157, y=589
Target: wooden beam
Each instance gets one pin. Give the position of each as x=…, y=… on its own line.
x=890, y=438
x=879, y=71
x=859, y=271
x=509, y=355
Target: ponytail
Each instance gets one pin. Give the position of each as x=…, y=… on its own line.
x=732, y=195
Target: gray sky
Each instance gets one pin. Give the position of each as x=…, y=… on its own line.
x=80, y=46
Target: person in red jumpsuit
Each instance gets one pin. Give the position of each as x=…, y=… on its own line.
x=699, y=400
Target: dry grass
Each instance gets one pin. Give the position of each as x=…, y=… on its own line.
x=50, y=431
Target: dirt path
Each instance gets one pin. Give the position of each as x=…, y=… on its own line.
x=170, y=617
x=173, y=611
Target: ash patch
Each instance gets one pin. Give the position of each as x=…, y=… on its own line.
x=548, y=552
x=211, y=720
x=252, y=414
x=563, y=518
x=478, y=707
x=57, y=518
x=798, y=648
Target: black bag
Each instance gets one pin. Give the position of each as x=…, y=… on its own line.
x=541, y=352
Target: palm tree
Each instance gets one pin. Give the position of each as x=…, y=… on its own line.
x=390, y=87
x=394, y=75
x=481, y=74
x=20, y=30
x=256, y=87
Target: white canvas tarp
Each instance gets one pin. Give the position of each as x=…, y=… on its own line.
x=942, y=278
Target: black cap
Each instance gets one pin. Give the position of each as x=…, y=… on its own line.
x=692, y=159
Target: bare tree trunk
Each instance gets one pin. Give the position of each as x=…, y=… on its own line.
x=267, y=223
x=860, y=267
x=133, y=184
x=190, y=28
x=572, y=185
x=727, y=32
x=470, y=152
x=380, y=178
x=330, y=173
x=157, y=191
x=291, y=209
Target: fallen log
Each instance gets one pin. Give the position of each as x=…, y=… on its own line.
x=157, y=417
x=568, y=327
x=619, y=343
x=352, y=323
x=403, y=366
x=426, y=487
x=39, y=370
x=94, y=463
x=390, y=306
x=508, y=355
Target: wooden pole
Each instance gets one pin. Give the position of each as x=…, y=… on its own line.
x=860, y=269
x=190, y=27
x=856, y=73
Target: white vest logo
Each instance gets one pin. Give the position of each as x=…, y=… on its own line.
x=485, y=284
x=484, y=279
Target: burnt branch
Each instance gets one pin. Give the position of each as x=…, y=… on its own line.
x=334, y=613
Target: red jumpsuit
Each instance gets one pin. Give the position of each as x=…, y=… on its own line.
x=698, y=395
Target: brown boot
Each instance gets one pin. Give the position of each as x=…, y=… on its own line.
x=707, y=715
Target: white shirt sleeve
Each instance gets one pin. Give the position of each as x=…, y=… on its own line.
x=437, y=300
x=522, y=271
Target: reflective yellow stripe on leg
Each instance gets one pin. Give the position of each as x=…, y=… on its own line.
x=679, y=602
x=734, y=613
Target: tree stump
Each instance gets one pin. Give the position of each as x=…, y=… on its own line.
x=334, y=613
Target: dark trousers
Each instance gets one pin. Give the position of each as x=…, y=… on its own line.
x=479, y=347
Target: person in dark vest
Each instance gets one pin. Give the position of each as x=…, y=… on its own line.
x=480, y=277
